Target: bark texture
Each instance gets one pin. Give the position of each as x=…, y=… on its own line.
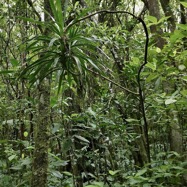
x=176, y=135
x=41, y=130
x=40, y=160
x=154, y=10
x=168, y=12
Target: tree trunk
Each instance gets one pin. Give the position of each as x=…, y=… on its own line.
x=176, y=135
x=154, y=10
x=168, y=12
x=41, y=131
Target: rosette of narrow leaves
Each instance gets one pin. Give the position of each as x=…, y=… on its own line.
x=65, y=53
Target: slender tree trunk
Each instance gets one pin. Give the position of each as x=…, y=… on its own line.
x=41, y=131
x=176, y=135
x=154, y=10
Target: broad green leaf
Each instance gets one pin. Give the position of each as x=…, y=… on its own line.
x=30, y=148
x=3, y=141
x=168, y=174
x=26, y=162
x=184, y=4
x=184, y=93
x=53, y=155
x=96, y=184
x=18, y=167
x=137, y=180
x=131, y=120
x=152, y=76
x=54, y=28
x=57, y=174
x=60, y=163
x=74, y=115
x=184, y=78
x=182, y=26
x=53, y=8
x=56, y=8
x=60, y=13
x=52, y=41
x=177, y=168
x=10, y=158
x=147, y=185
x=151, y=66
x=90, y=111
x=113, y=172
x=141, y=172
x=152, y=19
x=67, y=173
x=163, y=19
x=176, y=35
x=170, y=101
x=82, y=138
x=93, y=64
x=79, y=64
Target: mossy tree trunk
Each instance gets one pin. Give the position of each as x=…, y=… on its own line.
x=41, y=130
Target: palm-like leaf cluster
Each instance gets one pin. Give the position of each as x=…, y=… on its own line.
x=67, y=52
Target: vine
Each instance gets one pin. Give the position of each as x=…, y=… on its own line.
x=141, y=97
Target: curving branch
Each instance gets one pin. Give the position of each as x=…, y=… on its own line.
x=140, y=69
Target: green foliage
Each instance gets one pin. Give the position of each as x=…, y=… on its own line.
x=159, y=173
x=66, y=52
x=184, y=4
x=96, y=184
x=96, y=127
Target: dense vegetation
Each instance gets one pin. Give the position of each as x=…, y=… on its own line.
x=93, y=93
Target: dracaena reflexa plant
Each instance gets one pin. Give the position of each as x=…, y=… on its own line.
x=64, y=50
